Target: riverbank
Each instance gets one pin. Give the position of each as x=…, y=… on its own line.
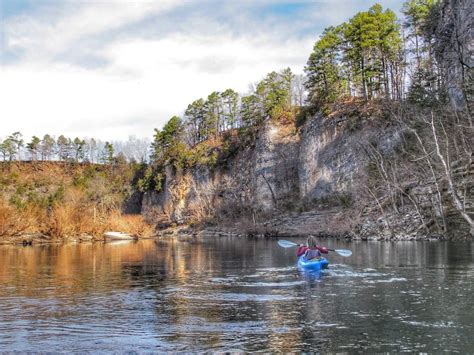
x=46, y=202
x=27, y=239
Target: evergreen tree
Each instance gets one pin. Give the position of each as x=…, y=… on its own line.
x=324, y=82
x=274, y=94
x=361, y=57
x=230, y=101
x=64, y=148
x=78, y=146
x=250, y=112
x=212, y=124
x=8, y=149
x=195, y=114
x=33, y=147
x=424, y=74
x=107, y=153
x=171, y=133
x=168, y=145
x=18, y=142
x=416, y=14
x=47, y=147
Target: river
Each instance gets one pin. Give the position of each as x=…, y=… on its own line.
x=236, y=294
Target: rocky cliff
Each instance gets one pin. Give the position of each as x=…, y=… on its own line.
x=323, y=178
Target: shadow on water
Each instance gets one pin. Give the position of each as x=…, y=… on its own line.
x=198, y=294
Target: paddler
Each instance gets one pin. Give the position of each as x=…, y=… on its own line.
x=311, y=250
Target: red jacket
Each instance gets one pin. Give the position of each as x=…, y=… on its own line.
x=303, y=248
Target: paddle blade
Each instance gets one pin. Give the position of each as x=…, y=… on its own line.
x=286, y=244
x=343, y=252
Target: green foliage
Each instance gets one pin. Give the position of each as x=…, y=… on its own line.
x=230, y=102
x=416, y=17
x=359, y=57
x=11, y=146
x=78, y=146
x=47, y=146
x=423, y=89
x=33, y=147
x=168, y=146
x=195, y=115
x=274, y=94
x=325, y=78
x=145, y=183
x=303, y=115
x=64, y=147
x=17, y=201
x=151, y=180
x=7, y=148
x=57, y=196
x=158, y=180
x=80, y=180
x=108, y=153
x=195, y=139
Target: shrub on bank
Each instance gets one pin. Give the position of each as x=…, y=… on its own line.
x=66, y=201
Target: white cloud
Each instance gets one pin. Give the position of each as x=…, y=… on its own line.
x=146, y=83
x=58, y=30
x=143, y=79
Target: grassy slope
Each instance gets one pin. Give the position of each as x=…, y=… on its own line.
x=63, y=199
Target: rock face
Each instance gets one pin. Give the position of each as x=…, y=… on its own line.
x=329, y=159
x=306, y=182
x=262, y=177
x=282, y=171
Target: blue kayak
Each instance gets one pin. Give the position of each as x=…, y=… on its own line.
x=313, y=264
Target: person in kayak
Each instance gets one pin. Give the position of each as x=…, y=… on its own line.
x=311, y=250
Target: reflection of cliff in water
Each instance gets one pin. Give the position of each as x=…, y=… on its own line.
x=232, y=293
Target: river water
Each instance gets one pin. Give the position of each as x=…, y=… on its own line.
x=236, y=294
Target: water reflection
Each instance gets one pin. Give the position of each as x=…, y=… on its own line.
x=197, y=294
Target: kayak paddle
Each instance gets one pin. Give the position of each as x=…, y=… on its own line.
x=288, y=244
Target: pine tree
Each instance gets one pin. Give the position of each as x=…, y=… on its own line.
x=8, y=149
x=195, y=114
x=416, y=14
x=108, y=153
x=33, y=147
x=78, y=145
x=230, y=101
x=213, y=115
x=323, y=71
x=47, y=147
x=64, y=148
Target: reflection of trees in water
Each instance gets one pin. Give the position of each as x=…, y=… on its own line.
x=59, y=270
x=193, y=287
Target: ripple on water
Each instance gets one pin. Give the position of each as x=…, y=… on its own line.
x=240, y=297
x=390, y=280
x=235, y=283
x=439, y=324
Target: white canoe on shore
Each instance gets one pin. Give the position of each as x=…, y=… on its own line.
x=117, y=236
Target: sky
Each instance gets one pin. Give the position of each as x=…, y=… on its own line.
x=111, y=69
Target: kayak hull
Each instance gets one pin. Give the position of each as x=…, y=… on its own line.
x=318, y=264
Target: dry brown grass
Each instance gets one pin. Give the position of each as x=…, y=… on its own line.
x=70, y=220
x=11, y=221
x=61, y=201
x=132, y=224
